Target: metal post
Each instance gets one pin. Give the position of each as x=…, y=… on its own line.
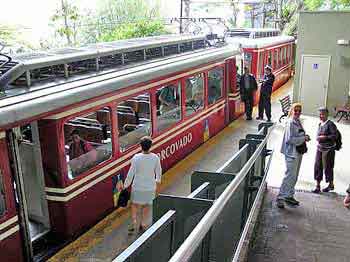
x=181, y=10
x=28, y=78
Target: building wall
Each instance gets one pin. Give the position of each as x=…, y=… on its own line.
x=318, y=33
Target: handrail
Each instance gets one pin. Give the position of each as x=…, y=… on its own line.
x=250, y=217
x=238, y=153
x=191, y=243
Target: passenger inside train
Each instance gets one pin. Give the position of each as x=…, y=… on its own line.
x=88, y=141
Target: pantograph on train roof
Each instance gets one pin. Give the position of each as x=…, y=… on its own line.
x=27, y=69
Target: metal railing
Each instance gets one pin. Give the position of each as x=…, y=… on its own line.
x=186, y=250
x=218, y=210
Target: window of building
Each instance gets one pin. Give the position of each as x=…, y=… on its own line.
x=2, y=196
x=215, y=84
x=134, y=120
x=168, y=106
x=194, y=93
x=87, y=141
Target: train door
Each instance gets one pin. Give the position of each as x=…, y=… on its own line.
x=29, y=183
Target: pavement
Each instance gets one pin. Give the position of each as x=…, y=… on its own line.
x=316, y=231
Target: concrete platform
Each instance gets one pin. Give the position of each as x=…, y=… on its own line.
x=317, y=231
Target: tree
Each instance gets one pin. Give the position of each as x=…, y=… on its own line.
x=65, y=21
x=12, y=40
x=133, y=30
x=235, y=11
x=119, y=19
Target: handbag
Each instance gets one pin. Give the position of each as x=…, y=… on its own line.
x=301, y=149
x=124, y=197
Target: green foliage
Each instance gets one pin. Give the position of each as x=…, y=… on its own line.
x=133, y=30
x=65, y=20
x=7, y=34
x=312, y=5
x=120, y=19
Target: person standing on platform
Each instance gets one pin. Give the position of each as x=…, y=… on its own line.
x=145, y=176
x=247, y=88
x=326, y=137
x=265, y=94
x=293, y=148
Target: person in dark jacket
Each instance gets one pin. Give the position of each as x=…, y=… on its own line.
x=247, y=88
x=265, y=94
x=326, y=137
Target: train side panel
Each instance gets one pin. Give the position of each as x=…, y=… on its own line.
x=10, y=236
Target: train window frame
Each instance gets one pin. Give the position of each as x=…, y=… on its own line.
x=222, y=85
x=176, y=82
x=204, y=104
x=69, y=177
x=4, y=195
x=116, y=125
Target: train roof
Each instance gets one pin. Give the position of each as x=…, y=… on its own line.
x=27, y=65
x=19, y=105
x=259, y=42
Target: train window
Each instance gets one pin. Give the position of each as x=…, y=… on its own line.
x=215, y=84
x=88, y=141
x=248, y=61
x=260, y=65
x=281, y=62
x=194, y=93
x=269, y=58
x=134, y=120
x=169, y=106
x=2, y=196
x=276, y=64
x=26, y=133
x=285, y=55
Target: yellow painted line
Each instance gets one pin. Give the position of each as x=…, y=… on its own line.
x=113, y=221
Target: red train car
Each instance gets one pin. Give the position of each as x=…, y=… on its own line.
x=266, y=49
x=177, y=89
x=104, y=97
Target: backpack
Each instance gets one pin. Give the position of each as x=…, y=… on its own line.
x=338, y=142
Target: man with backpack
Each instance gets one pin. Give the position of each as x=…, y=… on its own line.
x=329, y=140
